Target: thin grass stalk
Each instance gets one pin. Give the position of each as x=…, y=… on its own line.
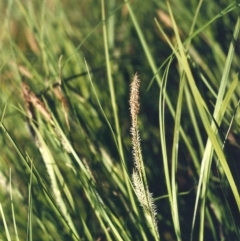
x=5, y=224
x=102, y=224
x=143, y=42
x=162, y=129
x=194, y=124
x=110, y=81
x=171, y=185
x=186, y=89
x=29, y=225
x=194, y=21
x=114, y=107
x=174, y=161
x=12, y=207
x=111, y=24
x=139, y=176
x=86, y=230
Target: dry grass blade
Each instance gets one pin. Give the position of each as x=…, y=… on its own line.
x=31, y=100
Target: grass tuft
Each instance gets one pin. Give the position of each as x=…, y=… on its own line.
x=76, y=172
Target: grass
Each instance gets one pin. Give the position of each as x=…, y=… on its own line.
x=119, y=120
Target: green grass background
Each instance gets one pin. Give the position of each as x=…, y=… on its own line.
x=186, y=54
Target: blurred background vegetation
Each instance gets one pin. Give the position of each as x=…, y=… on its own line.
x=48, y=42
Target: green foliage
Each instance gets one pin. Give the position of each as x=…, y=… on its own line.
x=75, y=164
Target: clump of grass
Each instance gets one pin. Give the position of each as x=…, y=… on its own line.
x=71, y=174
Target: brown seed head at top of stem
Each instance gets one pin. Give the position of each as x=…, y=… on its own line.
x=134, y=97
